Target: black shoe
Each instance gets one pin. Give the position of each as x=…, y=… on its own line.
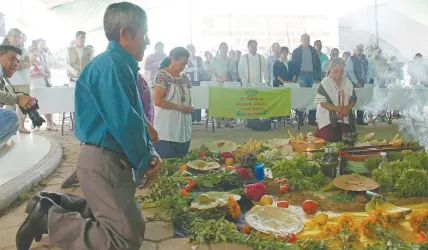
x=35, y=225
x=55, y=197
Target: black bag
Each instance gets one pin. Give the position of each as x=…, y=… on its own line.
x=260, y=124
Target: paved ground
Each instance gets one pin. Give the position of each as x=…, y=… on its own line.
x=159, y=235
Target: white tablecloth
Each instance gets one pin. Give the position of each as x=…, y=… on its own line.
x=61, y=99
x=55, y=99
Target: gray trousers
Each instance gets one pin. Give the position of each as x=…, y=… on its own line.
x=109, y=218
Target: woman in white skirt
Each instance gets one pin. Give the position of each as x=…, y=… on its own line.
x=40, y=78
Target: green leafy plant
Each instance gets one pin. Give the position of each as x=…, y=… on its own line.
x=413, y=182
x=214, y=231
x=342, y=197
x=372, y=163
x=300, y=173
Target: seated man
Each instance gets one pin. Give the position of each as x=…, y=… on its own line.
x=9, y=61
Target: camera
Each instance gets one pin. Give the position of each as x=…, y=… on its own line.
x=34, y=116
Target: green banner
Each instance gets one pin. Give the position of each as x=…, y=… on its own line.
x=249, y=103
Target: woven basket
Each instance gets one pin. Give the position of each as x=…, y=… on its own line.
x=301, y=146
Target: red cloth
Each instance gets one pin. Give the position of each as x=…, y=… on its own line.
x=332, y=135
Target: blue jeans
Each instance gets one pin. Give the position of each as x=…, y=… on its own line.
x=170, y=149
x=306, y=80
x=9, y=124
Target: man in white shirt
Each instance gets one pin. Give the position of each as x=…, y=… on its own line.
x=418, y=70
x=252, y=67
x=195, y=71
x=78, y=56
x=276, y=53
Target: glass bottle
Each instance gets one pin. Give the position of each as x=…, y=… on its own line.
x=387, y=180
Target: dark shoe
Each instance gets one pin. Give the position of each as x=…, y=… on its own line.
x=35, y=225
x=55, y=197
x=228, y=126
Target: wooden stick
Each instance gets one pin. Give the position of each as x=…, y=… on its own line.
x=350, y=148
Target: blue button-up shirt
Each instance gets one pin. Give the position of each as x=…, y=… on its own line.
x=109, y=112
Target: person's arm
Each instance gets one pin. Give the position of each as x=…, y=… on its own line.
x=276, y=72
x=242, y=69
x=295, y=65
x=350, y=70
x=266, y=75
x=127, y=127
x=8, y=98
x=325, y=67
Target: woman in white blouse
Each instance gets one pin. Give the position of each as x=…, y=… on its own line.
x=40, y=78
x=173, y=105
x=335, y=100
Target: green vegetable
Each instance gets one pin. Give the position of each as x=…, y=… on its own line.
x=342, y=197
x=417, y=160
x=372, y=163
x=213, y=231
x=413, y=182
x=300, y=173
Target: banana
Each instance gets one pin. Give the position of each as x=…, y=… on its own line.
x=390, y=211
x=396, y=137
x=291, y=135
x=371, y=206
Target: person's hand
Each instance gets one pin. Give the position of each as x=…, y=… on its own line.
x=153, y=134
x=26, y=102
x=186, y=109
x=294, y=78
x=153, y=171
x=318, y=81
x=358, y=85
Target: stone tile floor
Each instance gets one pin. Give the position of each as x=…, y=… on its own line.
x=159, y=235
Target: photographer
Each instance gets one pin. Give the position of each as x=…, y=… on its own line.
x=9, y=61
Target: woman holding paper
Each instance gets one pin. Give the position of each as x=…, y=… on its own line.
x=173, y=105
x=335, y=100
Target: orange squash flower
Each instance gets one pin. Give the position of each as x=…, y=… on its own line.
x=233, y=208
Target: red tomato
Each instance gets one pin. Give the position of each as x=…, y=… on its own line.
x=283, y=204
x=284, y=188
x=309, y=206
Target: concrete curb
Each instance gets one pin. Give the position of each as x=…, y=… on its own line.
x=10, y=191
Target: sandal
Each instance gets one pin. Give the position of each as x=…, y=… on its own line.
x=24, y=131
x=51, y=128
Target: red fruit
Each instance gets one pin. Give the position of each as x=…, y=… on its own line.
x=202, y=154
x=255, y=191
x=184, y=192
x=282, y=180
x=292, y=238
x=309, y=206
x=283, y=204
x=243, y=173
x=191, y=183
x=284, y=188
x=276, y=180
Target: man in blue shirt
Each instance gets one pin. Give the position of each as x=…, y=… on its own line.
x=115, y=149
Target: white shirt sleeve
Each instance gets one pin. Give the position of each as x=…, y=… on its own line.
x=242, y=69
x=266, y=76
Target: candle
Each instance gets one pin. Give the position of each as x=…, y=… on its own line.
x=259, y=173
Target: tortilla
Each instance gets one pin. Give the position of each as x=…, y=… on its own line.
x=222, y=146
x=275, y=220
x=218, y=199
x=203, y=165
x=276, y=143
x=355, y=182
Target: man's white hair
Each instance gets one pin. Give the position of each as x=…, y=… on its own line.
x=336, y=61
x=359, y=46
